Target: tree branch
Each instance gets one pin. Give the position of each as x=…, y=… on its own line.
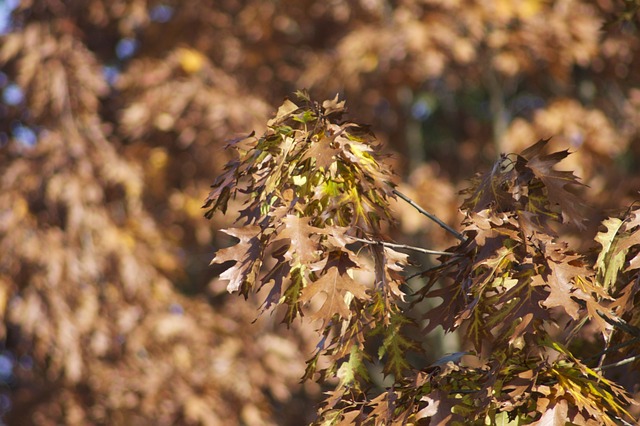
x=430, y=216
x=401, y=246
x=621, y=324
x=619, y=363
x=433, y=268
x=614, y=348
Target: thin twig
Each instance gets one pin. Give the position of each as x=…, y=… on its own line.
x=414, y=275
x=401, y=246
x=430, y=216
x=619, y=363
x=614, y=348
x=432, y=268
x=621, y=324
x=623, y=421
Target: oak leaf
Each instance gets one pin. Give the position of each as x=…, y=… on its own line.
x=554, y=416
x=303, y=247
x=337, y=285
x=555, y=181
x=247, y=254
x=284, y=111
x=277, y=275
x=560, y=286
x=612, y=257
x=631, y=238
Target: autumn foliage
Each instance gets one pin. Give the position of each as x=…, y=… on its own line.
x=317, y=199
x=409, y=301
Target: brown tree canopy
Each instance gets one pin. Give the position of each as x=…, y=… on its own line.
x=113, y=123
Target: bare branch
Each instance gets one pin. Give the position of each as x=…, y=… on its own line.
x=615, y=348
x=621, y=324
x=430, y=216
x=402, y=246
x=619, y=363
x=432, y=268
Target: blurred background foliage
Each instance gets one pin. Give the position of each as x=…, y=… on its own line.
x=113, y=119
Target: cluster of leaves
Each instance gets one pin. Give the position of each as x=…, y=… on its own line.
x=316, y=193
x=618, y=271
x=314, y=186
x=512, y=280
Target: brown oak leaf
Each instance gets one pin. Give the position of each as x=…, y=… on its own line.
x=303, y=247
x=247, y=254
x=555, y=181
x=335, y=283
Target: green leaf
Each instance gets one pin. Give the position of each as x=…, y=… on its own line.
x=395, y=346
x=353, y=371
x=292, y=296
x=610, y=259
x=502, y=419
x=306, y=116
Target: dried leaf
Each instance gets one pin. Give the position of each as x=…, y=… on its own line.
x=247, y=254
x=554, y=181
x=338, y=286
x=611, y=258
x=284, y=112
x=303, y=246
x=555, y=416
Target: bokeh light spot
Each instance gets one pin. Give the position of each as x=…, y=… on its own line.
x=126, y=48
x=12, y=95
x=161, y=13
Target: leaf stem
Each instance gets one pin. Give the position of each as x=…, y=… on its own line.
x=401, y=246
x=430, y=216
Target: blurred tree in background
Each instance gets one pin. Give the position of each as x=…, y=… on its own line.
x=113, y=120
